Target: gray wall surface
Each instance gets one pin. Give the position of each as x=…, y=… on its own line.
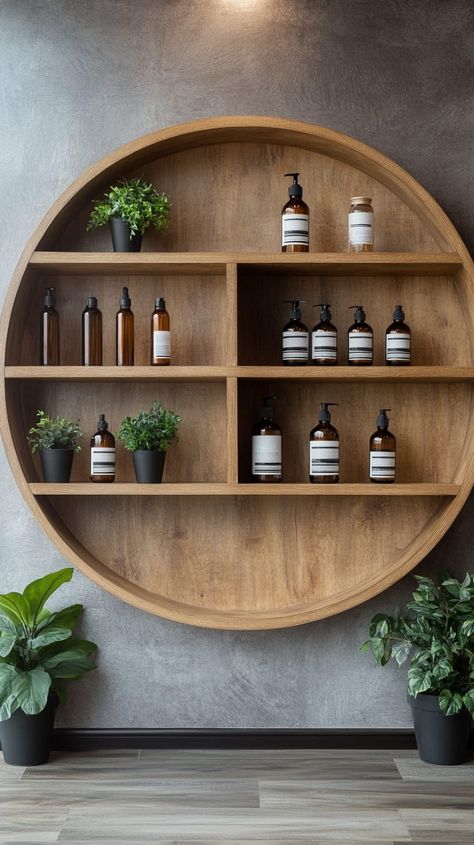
x=81, y=77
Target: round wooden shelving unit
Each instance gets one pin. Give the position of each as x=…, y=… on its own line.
x=206, y=547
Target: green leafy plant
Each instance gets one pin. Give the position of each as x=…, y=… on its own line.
x=37, y=650
x=438, y=636
x=151, y=431
x=135, y=201
x=59, y=433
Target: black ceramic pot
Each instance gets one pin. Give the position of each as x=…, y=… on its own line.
x=121, y=240
x=441, y=739
x=149, y=466
x=56, y=464
x=26, y=740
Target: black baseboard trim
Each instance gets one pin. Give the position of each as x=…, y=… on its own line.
x=94, y=739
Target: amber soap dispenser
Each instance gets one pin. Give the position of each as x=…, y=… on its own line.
x=324, y=449
x=125, y=332
x=324, y=339
x=398, y=340
x=49, y=331
x=266, y=445
x=360, y=340
x=102, y=453
x=295, y=337
x=295, y=219
x=382, y=451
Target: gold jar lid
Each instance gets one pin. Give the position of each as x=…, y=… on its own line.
x=361, y=200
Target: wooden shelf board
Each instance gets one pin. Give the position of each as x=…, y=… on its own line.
x=214, y=263
x=224, y=489
x=221, y=373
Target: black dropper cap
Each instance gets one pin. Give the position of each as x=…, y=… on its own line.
x=399, y=314
x=102, y=425
x=359, y=313
x=295, y=310
x=160, y=304
x=325, y=313
x=325, y=414
x=295, y=190
x=91, y=302
x=266, y=411
x=50, y=297
x=125, y=301
x=382, y=419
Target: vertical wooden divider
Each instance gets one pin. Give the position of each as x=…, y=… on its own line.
x=231, y=382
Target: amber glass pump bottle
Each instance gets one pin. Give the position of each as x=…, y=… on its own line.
x=360, y=340
x=266, y=445
x=91, y=334
x=160, y=335
x=382, y=451
x=102, y=453
x=125, y=332
x=324, y=339
x=295, y=337
x=49, y=331
x=295, y=219
x=324, y=449
x=398, y=340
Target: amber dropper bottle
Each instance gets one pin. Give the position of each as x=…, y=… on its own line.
x=91, y=334
x=124, y=332
x=160, y=335
x=295, y=220
x=382, y=451
x=49, y=331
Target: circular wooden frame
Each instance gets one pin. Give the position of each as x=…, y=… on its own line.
x=181, y=139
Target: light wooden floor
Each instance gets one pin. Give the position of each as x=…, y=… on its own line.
x=214, y=797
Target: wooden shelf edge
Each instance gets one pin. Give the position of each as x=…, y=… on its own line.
x=225, y=489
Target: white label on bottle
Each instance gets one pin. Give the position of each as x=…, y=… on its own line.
x=161, y=344
x=294, y=229
x=397, y=347
x=360, y=346
x=323, y=457
x=102, y=460
x=295, y=346
x=361, y=227
x=324, y=345
x=266, y=454
x=382, y=465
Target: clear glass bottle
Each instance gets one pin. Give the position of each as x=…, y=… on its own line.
x=324, y=449
x=49, y=331
x=91, y=334
x=361, y=225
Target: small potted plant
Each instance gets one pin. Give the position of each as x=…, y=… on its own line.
x=437, y=634
x=56, y=440
x=37, y=654
x=130, y=208
x=148, y=436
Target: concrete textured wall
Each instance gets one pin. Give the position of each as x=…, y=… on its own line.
x=81, y=77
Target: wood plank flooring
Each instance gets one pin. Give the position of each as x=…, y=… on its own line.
x=213, y=797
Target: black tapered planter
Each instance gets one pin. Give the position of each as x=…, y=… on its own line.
x=121, y=240
x=441, y=739
x=149, y=466
x=56, y=464
x=26, y=740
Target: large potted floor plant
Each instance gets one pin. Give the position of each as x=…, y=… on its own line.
x=130, y=208
x=148, y=436
x=437, y=635
x=37, y=655
x=56, y=440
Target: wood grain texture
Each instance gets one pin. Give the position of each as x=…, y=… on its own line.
x=231, y=488
x=253, y=560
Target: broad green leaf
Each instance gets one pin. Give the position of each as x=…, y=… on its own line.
x=7, y=641
x=454, y=706
x=452, y=586
x=418, y=681
x=38, y=592
x=442, y=669
x=445, y=699
x=31, y=689
x=51, y=634
x=15, y=607
x=400, y=651
x=73, y=666
x=8, y=707
x=467, y=627
x=84, y=647
x=7, y=675
x=67, y=617
x=468, y=699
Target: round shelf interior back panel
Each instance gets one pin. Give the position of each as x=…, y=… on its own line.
x=268, y=559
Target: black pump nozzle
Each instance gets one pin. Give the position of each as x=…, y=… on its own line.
x=382, y=419
x=359, y=313
x=266, y=411
x=91, y=302
x=50, y=297
x=325, y=314
x=295, y=190
x=325, y=414
x=160, y=303
x=399, y=314
x=295, y=310
x=125, y=301
x=102, y=425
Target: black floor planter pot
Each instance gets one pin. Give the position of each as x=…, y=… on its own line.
x=56, y=464
x=149, y=466
x=441, y=739
x=121, y=240
x=26, y=740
